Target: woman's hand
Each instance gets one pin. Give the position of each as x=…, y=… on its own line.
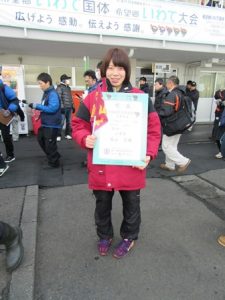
x=146, y=161
x=90, y=141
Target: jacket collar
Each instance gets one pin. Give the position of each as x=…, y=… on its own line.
x=126, y=87
x=49, y=89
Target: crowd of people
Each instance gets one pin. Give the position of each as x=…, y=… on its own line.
x=56, y=107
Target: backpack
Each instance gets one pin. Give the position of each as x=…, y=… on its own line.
x=183, y=116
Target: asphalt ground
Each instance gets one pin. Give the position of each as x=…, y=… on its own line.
x=176, y=256
x=30, y=167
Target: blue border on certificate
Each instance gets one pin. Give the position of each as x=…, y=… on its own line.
x=128, y=97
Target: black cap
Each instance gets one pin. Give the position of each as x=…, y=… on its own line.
x=64, y=77
x=193, y=83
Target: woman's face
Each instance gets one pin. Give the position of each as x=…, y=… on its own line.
x=115, y=75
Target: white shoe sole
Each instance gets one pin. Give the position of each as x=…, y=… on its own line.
x=4, y=170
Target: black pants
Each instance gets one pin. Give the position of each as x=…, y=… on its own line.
x=131, y=214
x=66, y=116
x=47, y=141
x=2, y=162
x=7, y=139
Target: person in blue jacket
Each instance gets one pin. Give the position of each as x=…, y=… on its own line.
x=9, y=103
x=51, y=119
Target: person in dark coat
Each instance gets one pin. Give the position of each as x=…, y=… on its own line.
x=218, y=131
x=144, y=85
x=67, y=107
x=193, y=93
x=160, y=93
x=174, y=160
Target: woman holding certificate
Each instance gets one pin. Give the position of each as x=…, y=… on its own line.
x=119, y=127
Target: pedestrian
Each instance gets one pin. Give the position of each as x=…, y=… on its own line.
x=9, y=104
x=193, y=93
x=222, y=139
x=174, y=160
x=222, y=142
x=90, y=80
x=50, y=115
x=218, y=131
x=144, y=85
x=104, y=180
x=67, y=107
x=160, y=93
x=11, y=238
x=98, y=72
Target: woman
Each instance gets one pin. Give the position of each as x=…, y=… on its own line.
x=104, y=180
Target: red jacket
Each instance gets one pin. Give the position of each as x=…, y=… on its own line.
x=109, y=177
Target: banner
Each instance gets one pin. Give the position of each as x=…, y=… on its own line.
x=147, y=19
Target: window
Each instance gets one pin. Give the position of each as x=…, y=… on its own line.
x=56, y=72
x=79, y=76
x=206, y=84
x=32, y=72
x=220, y=81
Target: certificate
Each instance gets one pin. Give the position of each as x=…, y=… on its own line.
x=122, y=140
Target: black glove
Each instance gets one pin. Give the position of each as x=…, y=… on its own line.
x=73, y=109
x=31, y=105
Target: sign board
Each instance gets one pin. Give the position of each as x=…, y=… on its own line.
x=162, y=68
x=145, y=19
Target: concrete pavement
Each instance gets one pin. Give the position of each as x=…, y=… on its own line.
x=177, y=250
x=176, y=257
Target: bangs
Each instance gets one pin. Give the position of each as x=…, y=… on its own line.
x=120, y=59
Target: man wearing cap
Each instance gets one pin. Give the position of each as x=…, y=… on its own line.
x=193, y=93
x=64, y=92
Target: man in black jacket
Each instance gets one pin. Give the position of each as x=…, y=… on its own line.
x=144, y=85
x=174, y=160
x=64, y=92
x=193, y=93
x=160, y=93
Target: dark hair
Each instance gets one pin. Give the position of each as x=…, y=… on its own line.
x=99, y=64
x=45, y=77
x=90, y=73
x=143, y=78
x=120, y=59
x=160, y=81
x=189, y=82
x=174, y=79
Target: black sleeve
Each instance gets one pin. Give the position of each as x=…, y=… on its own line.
x=83, y=113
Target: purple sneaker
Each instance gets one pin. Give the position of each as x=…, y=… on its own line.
x=103, y=246
x=123, y=248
